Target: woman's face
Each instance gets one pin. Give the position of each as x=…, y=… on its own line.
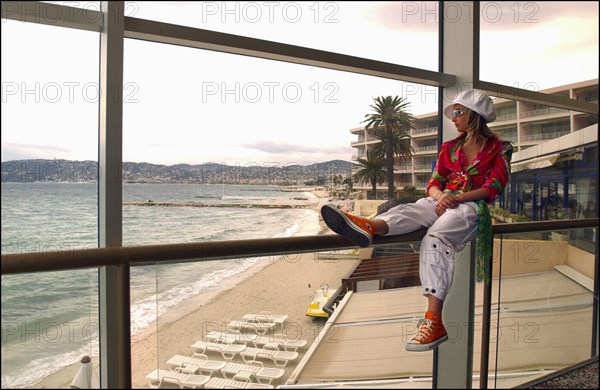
x=460, y=117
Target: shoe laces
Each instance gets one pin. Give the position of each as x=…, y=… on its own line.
x=426, y=329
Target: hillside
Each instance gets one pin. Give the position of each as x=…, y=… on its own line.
x=87, y=171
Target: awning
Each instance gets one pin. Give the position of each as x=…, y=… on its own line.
x=547, y=160
x=535, y=163
x=364, y=340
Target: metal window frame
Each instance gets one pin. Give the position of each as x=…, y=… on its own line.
x=114, y=27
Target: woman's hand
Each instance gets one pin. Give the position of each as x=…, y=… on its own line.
x=440, y=210
x=447, y=201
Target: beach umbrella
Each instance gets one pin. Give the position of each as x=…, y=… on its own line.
x=86, y=378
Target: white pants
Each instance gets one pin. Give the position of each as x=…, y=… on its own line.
x=446, y=235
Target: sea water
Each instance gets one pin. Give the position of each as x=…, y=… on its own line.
x=50, y=320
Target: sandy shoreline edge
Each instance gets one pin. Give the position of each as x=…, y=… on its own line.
x=282, y=285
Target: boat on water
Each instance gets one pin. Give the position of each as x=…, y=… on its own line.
x=322, y=295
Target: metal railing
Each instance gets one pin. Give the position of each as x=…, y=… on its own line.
x=234, y=249
x=425, y=148
x=543, y=136
x=543, y=111
x=426, y=130
x=506, y=117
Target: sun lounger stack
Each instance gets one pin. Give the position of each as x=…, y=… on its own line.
x=255, y=326
x=195, y=365
x=248, y=354
x=259, y=323
x=278, y=341
x=157, y=377
x=279, y=358
x=246, y=338
x=266, y=316
x=251, y=372
x=220, y=383
x=228, y=351
x=230, y=338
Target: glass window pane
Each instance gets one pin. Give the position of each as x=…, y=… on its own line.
x=542, y=306
x=274, y=111
x=87, y=5
x=193, y=118
x=49, y=199
x=194, y=107
x=49, y=323
x=50, y=96
x=274, y=302
x=538, y=45
x=398, y=32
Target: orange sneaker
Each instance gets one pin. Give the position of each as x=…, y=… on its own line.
x=356, y=229
x=431, y=333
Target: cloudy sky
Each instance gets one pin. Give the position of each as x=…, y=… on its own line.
x=192, y=106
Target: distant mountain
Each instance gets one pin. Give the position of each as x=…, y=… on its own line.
x=87, y=171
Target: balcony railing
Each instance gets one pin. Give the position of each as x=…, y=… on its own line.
x=542, y=136
x=427, y=148
x=543, y=111
x=403, y=168
x=506, y=117
x=423, y=167
x=426, y=130
x=523, y=328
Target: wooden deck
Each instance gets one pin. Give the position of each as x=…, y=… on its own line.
x=391, y=271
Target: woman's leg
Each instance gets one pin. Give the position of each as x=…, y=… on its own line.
x=450, y=232
x=401, y=219
x=408, y=217
x=434, y=304
x=380, y=227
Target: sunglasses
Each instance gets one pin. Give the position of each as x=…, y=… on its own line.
x=456, y=113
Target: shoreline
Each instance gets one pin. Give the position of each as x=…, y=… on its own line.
x=230, y=205
x=281, y=284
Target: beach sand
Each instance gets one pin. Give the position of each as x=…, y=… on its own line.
x=282, y=285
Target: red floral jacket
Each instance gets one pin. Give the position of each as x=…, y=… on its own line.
x=490, y=168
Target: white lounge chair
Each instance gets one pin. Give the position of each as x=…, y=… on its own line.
x=279, y=341
x=257, y=372
x=258, y=327
x=266, y=316
x=220, y=383
x=195, y=365
x=228, y=351
x=157, y=377
x=279, y=358
x=230, y=338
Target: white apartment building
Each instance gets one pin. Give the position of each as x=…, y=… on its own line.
x=524, y=124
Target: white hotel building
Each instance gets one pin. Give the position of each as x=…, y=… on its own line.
x=553, y=135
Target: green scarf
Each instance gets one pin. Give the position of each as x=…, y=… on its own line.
x=484, y=242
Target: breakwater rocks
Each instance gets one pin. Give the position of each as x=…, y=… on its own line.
x=287, y=205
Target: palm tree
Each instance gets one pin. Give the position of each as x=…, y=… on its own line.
x=390, y=115
x=371, y=171
x=401, y=145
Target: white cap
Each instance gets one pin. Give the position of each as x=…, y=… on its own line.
x=475, y=100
